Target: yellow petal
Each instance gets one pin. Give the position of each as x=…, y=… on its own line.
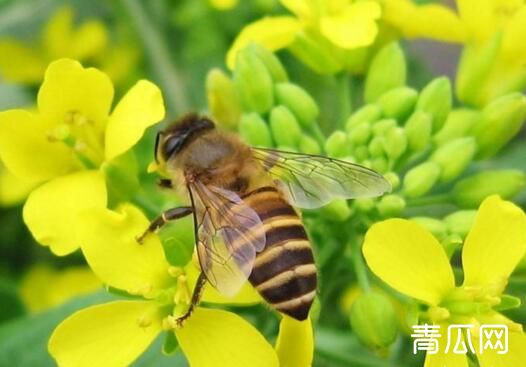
x=295, y=344
x=513, y=43
x=68, y=87
x=211, y=338
x=113, y=253
x=51, y=211
x=428, y=21
x=441, y=358
x=24, y=64
x=88, y=40
x=477, y=15
x=57, y=33
x=43, y=287
x=353, y=27
x=111, y=335
x=272, y=32
x=247, y=294
x=26, y=150
x=13, y=189
x=299, y=7
x=515, y=356
x=495, y=244
x=139, y=109
x=408, y=258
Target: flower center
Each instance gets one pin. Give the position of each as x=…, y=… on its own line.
x=81, y=134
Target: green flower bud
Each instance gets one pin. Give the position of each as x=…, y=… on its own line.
x=309, y=145
x=393, y=179
x=316, y=52
x=376, y=146
x=379, y=164
x=337, y=210
x=223, y=101
x=391, y=205
x=418, y=130
x=474, y=67
x=381, y=127
x=435, y=226
x=361, y=153
x=420, y=179
x=501, y=121
x=454, y=157
x=299, y=102
x=436, y=99
x=284, y=126
x=337, y=144
x=471, y=191
x=460, y=222
x=274, y=66
x=360, y=134
x=253, y=82
x=364, y=204
x=374, y=321
x=398, y=103
x=368, y=113
x=458, y=124
x=387, y=71
x=451, y=243
x=254, y=130
x=395, y=143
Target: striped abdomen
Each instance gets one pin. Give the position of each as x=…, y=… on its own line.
x=284, y=272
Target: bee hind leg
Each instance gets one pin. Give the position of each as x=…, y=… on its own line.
x=165, y=217
x=196, y=297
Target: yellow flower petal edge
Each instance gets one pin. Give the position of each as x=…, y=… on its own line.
x=109, y=244
x=110, y=335
x=26, y=151
x=51, y=211
x=441, y=358
x=299, y=7
x=70, y=88
x=408, y=258
x=295, y=344
x=495, y=244
x=211, y=338
x=139, y=109
x=272, y=32
x=427, y=21
x=353, y=27
x=13, y=189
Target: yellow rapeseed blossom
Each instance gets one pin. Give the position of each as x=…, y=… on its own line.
x=13, y=190
x=43, y=287
x=493, y=31
x=116, y=333
x=67, y=143
x=327, y=26
x=223, y=4
x=60, y=38
x=412, y=261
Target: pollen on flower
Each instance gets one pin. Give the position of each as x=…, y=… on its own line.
x=169, y=323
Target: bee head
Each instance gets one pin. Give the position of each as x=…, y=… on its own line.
x=178, y=135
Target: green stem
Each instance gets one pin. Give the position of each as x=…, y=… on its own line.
x=359, y=266
x=161, y=61
x=429, y=200
x=344, y=96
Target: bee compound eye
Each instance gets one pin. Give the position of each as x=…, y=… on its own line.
x=172, y=145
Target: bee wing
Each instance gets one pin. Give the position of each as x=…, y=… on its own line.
x=310, y=181
x=229, y=233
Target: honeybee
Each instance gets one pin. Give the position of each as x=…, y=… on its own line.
x=242, y=200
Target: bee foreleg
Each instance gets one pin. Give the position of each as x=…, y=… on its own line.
x=196, y=297
x=165, y=217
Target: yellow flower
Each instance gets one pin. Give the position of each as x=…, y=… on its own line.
x=412, y=261
x=328, y=26
x=223, y=4
x=116, y=333
x=60, y=38
x=493, y=60
x=13, y=190
x=43, y=287
x=67, y=144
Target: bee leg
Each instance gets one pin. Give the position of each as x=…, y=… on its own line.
x=165, y=217
x=196, y=297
